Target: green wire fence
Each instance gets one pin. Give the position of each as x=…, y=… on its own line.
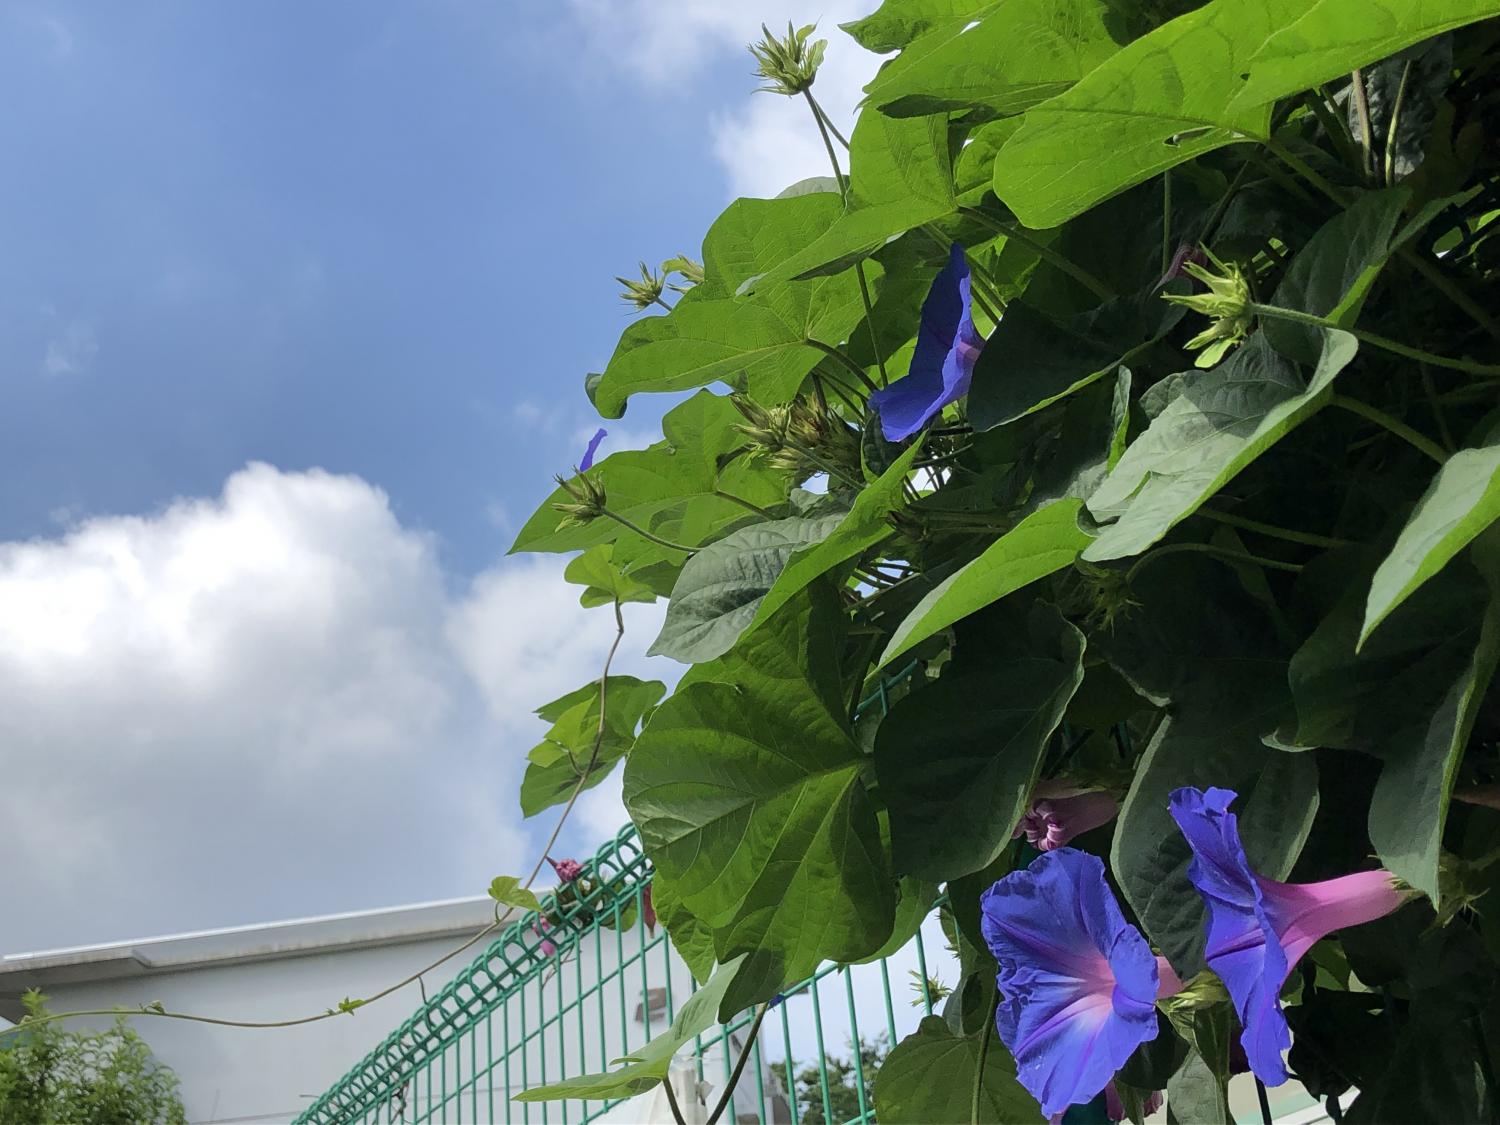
x=541, y=1005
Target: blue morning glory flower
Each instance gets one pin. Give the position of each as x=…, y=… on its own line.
x=1258, y=929
x=1078, y=983
x=588, y=454
x=948, y=345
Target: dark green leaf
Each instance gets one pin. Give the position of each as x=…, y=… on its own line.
x=957, y=758
x=1045, y=541
x=929, y=1080
x=557, y=762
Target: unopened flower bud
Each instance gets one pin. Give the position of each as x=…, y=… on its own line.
x=788, y=65
x=644, y=293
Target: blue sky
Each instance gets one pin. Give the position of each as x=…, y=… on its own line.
x=295, y=309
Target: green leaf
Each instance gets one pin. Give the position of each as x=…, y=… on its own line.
x=603, y=582
x=1199, y=1092
x=692, y=940
x=1014, y=56
x=1410, y=697
x=914, y=902
x=1091, y=438
x=1163, y=100
x=556, y=763
x=897, y=22
x=1463, y=500
x=1035, y=358
x=507, y=891
x=866, y=524
x=1329, y=38
x=1333, y=273
x=748, y=796
x=646, y=1067
x=900, y=177
x=928, y=1079
x=1219, y=423
x=666, y=488
x=1042, y=543
x=720, y=590
x=1197, y=642
x=763, y=342
x=957, y=759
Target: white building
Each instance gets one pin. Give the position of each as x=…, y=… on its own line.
x=274, y=971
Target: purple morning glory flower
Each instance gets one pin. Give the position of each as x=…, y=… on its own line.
x=567, y=869
x=1078, y=983
x=1059, y=811
x=1258, y=929
x=588, y=454
x=948, y=344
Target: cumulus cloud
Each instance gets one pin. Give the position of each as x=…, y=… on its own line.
x=265, y=704
x=763, y=142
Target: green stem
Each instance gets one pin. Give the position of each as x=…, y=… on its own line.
x=666, y=1084
x=859, y=267
x=1362, y=111
x=984, y=1050
x=743, y=503
x=1305, y=537
x=1395, y=426
x=663, y=304
x=1166, y=220
x=739, y=1066
x=834, y=353
x=1046, y=253
x=828, y=121
x=644, y=534
x=1390, y=133
x=1429, y=272
x=1216, y=552
x=1385, y=343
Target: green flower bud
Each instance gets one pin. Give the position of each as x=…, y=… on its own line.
x=788, y=65
x=588, y=500
x=644, y=293
x=1227, y=303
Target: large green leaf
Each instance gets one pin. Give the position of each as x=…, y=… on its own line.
x=900, y=177
x=690, y=938
x=646, y=1067
x=1196, y=642
x=672, y=483
x=897, y=22
x=1328, y=38
x=722, y=587
x=563, y=757
x=1219, y=423
x=957, y=758
x=1410, y=696
x=748, y=796
x=1199, y=1090
x=1045, y=541
x=768, y=342
x=928, y=1079
x=866, y=524
x=1162, y=100
x=1012, y=57
x=1463, y=500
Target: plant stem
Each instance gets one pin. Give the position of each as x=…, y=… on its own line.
x=739, y=1066
x=644, y=534
x=1016, y=232
x=1166, y=220
x=662, y=303
x=743, y=503
x=859, y=267
x=1395, y=426
x=984, y=1050
x=1362, y=111
x=672, y=1098
x=1305, y=537
x=1390, y=133
x=1209, y=549
x=1265, y=1104
x=1385, y=343
x=834, y=353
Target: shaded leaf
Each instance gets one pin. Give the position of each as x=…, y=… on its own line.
x=1045, y=541
x=928, y=1079
x=555, y=765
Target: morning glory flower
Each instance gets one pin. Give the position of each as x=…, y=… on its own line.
x=567, y=869
x=1078, y=983
x=1258, y=929
x=588, y=454
x=948, y=345
x=1059, y=811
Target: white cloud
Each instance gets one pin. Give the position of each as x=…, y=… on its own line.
x=765, y=142
x=71, y=346
x=268, y=704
